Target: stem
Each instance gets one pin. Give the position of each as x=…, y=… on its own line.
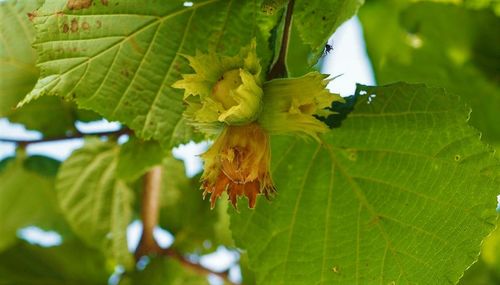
x=195, y=266
x=77, y=135
x=150, y=211
x=279, y=68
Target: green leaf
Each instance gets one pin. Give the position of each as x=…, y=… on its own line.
x=341, y=111
x=136, y=157
x=120, y=58
x=42, y=165
x=487, y=270
x=17, y=58
x=316, y=20
x=49, y=115
x=185, y=214
x=247, y=275
x=481, y=4
x=479, y=274
x=27, y=197
x=19, y=74
x=299, y=55
x=4, y=162
x=97, y=205
x=402, y=193
x=87, y=115
x=70, y=263
x=164, y=271
x=440, y=44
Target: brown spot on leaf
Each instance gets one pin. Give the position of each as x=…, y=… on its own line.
x=125, y=72
x=65, y=28
x=135, y=46
x=177, y=66
x=74, y=25
x=85, y=26
x=98, y=23
x=104, y=2
x=78, y=4
x=59, y=13
x=31, y=16
x=375, y=220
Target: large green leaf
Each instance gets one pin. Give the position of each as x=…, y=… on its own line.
x=27, y=197
x=440, y=44
x=69, y=264
x=120, y=57
x=97, y=205
x=402, y=193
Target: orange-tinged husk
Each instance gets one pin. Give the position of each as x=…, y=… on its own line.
x=238, y=163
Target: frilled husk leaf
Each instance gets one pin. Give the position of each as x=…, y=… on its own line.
x=238, y=163
x=290, y=105
x=223, y=89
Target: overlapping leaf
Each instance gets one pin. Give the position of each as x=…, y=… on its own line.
x=17, y=58
x=120, y=57
x=97, y=205
x=136, y=157
x=317, y=20
x=402, y=193
x=27, y=197
x=18, y=75
x=70, y=263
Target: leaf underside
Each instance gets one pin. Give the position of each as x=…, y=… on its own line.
x=410, y=192
x=97, y=205
x=121, y=57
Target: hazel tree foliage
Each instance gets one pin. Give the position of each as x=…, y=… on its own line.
x=395, y=184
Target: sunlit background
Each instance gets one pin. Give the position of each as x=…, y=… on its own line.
x=347, y=61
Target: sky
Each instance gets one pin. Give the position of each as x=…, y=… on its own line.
x=347, y=59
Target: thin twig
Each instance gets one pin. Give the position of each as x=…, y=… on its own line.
x=170, y=252
x=77, y=135
x=150, y=212
x=279, y=68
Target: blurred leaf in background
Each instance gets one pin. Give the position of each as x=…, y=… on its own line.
x=442, y=44
x=70, y=263
x=28, y=197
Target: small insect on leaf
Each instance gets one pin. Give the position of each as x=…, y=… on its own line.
x=328, y=49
